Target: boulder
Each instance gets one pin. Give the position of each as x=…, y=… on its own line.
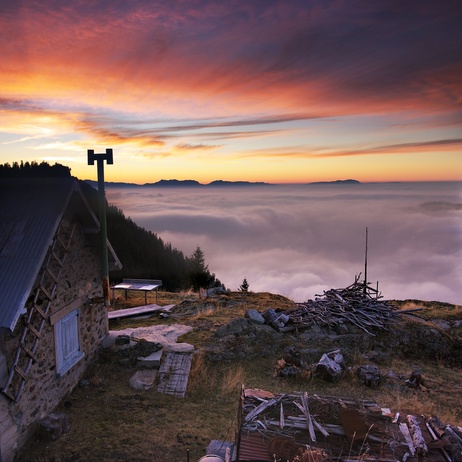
x=240, y=326
x=331, y=366
x=53, y=426
x=255, y=317
x=151, y=361
x=143, y=379
x=369, y=375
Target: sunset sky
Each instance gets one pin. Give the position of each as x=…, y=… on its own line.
x=256, y=90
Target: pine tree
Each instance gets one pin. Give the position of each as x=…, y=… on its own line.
x=244, y=287
x=200, y=274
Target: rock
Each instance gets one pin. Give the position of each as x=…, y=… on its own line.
x=152, y=361
x=277, y=320
x=143, y=379
x=280, y=321
x=240, y=326
x=53, y=426
x=289, y=371
x=293, y=356
x=331, y=366
x=122, y=340
x=269, y=315
x=369, y=375
x=255, y=317
x=84, y=383
x=415, y=380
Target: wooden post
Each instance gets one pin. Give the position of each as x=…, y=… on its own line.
x=365, y=266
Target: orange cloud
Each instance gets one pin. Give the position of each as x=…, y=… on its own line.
x=301, y=151
x=217, y=60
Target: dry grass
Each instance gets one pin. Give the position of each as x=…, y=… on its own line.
x=110, y=421
x=432, y=310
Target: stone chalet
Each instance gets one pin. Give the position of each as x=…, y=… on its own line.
x=52, y=311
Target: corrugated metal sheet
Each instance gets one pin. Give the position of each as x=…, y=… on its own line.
x=254, y=447
x=30, y=213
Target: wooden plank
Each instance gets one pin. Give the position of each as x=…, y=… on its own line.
x=174, y=374
x=324, y=432
x=435, y=438
x=260, y=408
x=407, y=436
x=307, y=414
x=136, y=311
x=416, y=435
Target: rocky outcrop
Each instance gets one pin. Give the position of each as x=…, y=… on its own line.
x=245, y=339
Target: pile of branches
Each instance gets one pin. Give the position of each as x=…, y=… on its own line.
x=357, y=304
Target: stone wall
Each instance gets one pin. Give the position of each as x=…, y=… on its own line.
x=79, y=286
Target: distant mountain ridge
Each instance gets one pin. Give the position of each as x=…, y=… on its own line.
x=336, y=182
x=216, y=183
x=181, y=184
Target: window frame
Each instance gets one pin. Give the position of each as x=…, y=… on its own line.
x=67, y=341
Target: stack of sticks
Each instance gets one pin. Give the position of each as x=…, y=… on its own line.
x=355, y=305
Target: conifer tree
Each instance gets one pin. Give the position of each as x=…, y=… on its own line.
x=200, y=274
x=244, y=287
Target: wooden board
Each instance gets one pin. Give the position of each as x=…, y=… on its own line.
x=174, y=374
x=136, y=311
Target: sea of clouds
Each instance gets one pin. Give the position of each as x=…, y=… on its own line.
x=299, y=240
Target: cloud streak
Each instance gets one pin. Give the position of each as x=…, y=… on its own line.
x=303, y=49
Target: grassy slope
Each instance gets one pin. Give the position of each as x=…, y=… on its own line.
x=110, y=421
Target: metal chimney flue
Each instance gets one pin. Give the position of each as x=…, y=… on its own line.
x=100, y=158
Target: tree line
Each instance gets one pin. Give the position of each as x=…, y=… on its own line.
x=33, y=170
x=145, y=255
x=142, y=253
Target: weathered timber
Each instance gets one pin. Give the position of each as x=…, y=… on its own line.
x=435, y=438
x=252, y=414
x=416, y=435
x=407, y=436
x=337, y=306
x=305, y=409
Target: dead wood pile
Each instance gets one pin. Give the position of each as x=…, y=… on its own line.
x=336, y=427
x=355, y=305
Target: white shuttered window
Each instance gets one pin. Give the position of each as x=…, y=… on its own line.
x=67, y=342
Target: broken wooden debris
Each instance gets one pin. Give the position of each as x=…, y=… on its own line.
x=435, y=438
x=281, y=417
x=337, y=306
x=260, y=408
x=343, y=425
x=407, y=436
x=307, y=415
x=421, y=448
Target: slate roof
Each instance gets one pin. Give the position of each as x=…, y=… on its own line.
x=30, y=212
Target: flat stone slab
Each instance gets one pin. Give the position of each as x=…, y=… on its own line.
x=166, y=335
x=143, y=379
x=151, y=361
